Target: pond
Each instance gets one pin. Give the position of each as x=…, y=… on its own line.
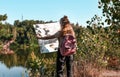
x=15, y=71
x=14, y=65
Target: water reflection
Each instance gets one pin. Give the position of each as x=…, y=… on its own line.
x=16, y=71
x=13, y=65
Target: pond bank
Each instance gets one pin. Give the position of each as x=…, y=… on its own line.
x=6, y=48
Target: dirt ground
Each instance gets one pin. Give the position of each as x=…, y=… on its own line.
x=110, y=73
x=88, y=70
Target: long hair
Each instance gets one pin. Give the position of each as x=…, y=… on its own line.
x=66, y=26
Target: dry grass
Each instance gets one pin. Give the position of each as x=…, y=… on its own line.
x=83, y=69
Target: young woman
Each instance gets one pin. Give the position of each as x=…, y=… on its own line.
x=66, y=28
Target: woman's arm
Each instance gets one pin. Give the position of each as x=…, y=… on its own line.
x=56, y=35
x=46, y=37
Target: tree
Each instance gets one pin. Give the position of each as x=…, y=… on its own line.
x=111, y=10
x=3, y=17
x=16, y=23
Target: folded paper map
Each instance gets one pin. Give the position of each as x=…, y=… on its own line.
x=50, y=45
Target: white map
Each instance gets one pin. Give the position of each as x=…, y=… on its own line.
x=50, y=45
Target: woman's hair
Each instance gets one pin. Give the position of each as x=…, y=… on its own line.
x=66, y=26
x=64, y=20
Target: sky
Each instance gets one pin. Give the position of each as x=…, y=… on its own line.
x=78, y=11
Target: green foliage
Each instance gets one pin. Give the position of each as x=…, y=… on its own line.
x=96, y=43
x=14, y=45
x=39, y=66
x=111, y=10
x=3, y=17
x=33, y=62
x=6, y=37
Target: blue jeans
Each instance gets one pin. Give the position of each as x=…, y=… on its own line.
x=61, y=61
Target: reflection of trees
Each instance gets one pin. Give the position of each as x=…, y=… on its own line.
x=9, y=60
x=17, y=59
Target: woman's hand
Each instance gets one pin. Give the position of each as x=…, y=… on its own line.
x=38, y=36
